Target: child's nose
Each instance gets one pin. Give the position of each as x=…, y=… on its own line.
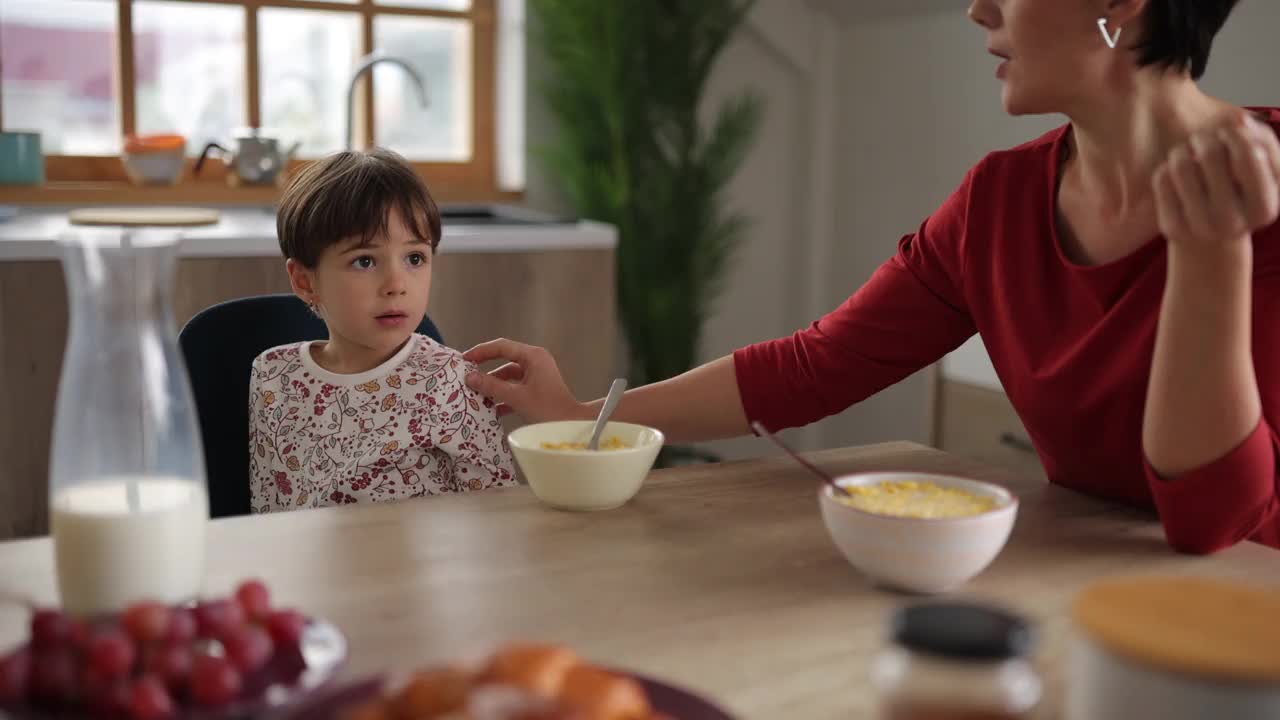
x=395, y=283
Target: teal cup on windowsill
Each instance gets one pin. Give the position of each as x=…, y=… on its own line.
x=21, y=160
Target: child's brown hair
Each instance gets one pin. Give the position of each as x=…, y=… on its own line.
x=351, y=194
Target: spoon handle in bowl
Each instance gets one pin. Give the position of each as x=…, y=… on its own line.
x=610, y=402
x=763, y=432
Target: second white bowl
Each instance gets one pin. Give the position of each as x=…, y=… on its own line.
x=923, y=555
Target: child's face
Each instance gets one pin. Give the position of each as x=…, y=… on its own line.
x=371, y=298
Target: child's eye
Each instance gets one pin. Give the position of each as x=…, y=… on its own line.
x=364, y=262
x=417, y=259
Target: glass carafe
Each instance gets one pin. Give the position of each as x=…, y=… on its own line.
x=128, y=503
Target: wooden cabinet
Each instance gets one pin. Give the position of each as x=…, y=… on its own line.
x=980, y=423
x=562, y=299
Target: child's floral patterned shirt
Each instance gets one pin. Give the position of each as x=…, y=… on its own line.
x=407, y=428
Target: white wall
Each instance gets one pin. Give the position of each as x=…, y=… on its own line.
x=765, y=297
x=1245, y=65
x=913, y=103
x=767, y=294
x=871, y=122
x=922, y=105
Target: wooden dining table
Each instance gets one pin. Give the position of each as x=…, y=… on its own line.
x=718, y=578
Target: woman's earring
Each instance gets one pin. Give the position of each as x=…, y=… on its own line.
x=1111, y=39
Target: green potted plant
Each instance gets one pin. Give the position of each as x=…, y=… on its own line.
x=626, y=88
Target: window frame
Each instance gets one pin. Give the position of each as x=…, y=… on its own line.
x=85, y=178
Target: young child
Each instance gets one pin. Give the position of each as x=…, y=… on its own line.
x=377, y=412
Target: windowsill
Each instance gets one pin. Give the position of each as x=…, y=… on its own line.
x=197, y=193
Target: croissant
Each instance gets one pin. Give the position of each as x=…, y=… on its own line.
x=519, y=682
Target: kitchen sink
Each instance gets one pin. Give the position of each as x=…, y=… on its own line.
x=497, y=215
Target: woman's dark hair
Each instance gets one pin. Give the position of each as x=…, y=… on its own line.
x=1177, y=34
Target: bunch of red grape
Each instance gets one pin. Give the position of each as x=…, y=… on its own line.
x=150, y=661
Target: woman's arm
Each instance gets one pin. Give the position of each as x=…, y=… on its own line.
x=909, y=314
x=701, y=404
x=1204, y=409
x=1202, y=400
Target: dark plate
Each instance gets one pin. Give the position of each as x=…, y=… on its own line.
x=669, y=700
x=679, y=703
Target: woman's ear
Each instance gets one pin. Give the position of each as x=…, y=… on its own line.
x=303, y=281
x=1123, y=13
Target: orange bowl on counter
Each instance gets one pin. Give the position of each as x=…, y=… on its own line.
x=135, y=144
x=154, y=159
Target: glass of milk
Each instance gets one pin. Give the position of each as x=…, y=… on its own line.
x=128, y=503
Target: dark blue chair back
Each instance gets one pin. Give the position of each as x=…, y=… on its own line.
x=220, y=344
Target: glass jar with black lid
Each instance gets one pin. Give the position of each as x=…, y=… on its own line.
x=956, y=661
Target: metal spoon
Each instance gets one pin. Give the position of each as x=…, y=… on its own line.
x=762, y=432
x=610, y=402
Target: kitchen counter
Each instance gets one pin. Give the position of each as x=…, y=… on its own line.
x=32, y=233
x=502, y=272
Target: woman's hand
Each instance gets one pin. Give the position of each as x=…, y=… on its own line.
x=529, y=383
x=1213, y=191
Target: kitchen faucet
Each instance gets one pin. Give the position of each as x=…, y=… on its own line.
x=366, y=63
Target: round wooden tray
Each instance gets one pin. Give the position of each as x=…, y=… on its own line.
x=1195, y=626
x=145, y=216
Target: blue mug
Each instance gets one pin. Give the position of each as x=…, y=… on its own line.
x=21, y=160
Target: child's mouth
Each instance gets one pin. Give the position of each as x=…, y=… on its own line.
x=391, y=319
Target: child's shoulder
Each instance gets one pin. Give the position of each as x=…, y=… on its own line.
x=279, y=354
x=441, y=361
x=427, y=351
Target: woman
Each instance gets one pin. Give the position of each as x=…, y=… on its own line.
x=1123, y=272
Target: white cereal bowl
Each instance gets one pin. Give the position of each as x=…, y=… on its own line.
x=920, y=555
x=585, y=480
